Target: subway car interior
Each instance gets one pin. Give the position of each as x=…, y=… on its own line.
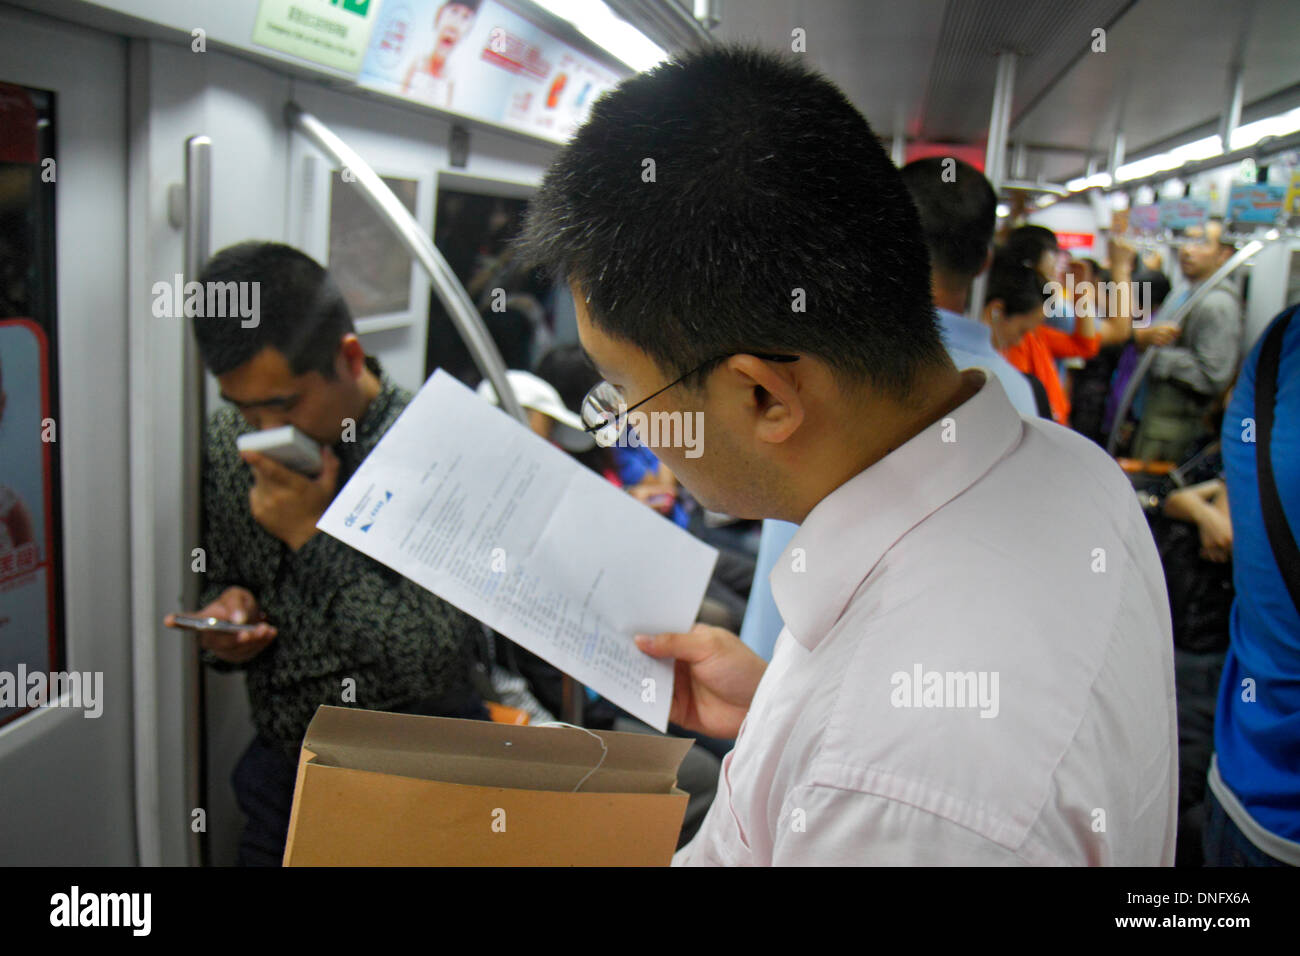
x=648, y=432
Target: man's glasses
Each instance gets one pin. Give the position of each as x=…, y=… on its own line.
x=605, y=409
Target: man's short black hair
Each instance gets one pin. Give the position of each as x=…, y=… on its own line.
x=302, y=314
x=1017, y=286
x=958, y=211
x=706, y=201
x=1028, y=243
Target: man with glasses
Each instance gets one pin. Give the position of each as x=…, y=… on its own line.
x=322, y=623
x=1198, y=360
x=739, y=246
x=605, y=411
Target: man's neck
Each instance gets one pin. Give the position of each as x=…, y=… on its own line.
x=369, y=388
x=944, y=390
x=949, y=293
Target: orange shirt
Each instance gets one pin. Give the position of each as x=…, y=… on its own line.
x=1037, y=353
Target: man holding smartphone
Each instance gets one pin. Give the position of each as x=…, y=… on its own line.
x=324, y=623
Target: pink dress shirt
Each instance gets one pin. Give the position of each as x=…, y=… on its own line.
x=976, y=668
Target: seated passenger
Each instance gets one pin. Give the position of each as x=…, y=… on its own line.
x=772, y=276
x=326, y=624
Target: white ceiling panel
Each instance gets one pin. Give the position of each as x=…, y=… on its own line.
x=926, y=67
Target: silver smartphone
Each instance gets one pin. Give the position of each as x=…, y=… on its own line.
x=192, y=623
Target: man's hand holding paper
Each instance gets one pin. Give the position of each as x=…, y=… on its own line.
x=715, y=681
x=468, y=503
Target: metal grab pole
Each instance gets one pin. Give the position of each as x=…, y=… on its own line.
x=449, y=289
x=1175, y=318
x=197, y=248
x=390, y=209
x=995, y=153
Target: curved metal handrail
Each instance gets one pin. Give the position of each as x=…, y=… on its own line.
x=1176, y=319
x=448, y=288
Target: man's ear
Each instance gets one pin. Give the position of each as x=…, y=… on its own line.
x=352, y=355
x=782, y=408
x=992, y=312
x=988, y=261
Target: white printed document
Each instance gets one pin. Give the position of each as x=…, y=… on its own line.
x=468, y=503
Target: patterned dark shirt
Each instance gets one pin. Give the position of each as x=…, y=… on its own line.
x=338, y=613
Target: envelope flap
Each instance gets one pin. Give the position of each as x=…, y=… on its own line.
x=482, y=753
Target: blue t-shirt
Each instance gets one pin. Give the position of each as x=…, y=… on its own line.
x=969, y=344
x=1258, y=741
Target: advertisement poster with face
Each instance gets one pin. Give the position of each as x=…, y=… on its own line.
x=481, y=60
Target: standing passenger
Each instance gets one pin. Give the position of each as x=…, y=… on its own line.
x=958, y=211
x=970, y=671
x=319, y=613
x=1253, y=807
x=1187, y=379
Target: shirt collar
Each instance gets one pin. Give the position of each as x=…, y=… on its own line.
x=850, y=530
x=965, y=334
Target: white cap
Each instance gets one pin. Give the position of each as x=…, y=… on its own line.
x=539, y=395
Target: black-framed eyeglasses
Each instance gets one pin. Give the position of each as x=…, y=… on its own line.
x=605, y=410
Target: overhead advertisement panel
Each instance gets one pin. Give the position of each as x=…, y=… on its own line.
x=485, y=62
x=1255, y=203
x=333, y=33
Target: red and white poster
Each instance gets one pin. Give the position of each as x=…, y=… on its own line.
x=28, y=556
x=486, y=62
x=31, y=618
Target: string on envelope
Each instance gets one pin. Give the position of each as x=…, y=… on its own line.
x=604, y=749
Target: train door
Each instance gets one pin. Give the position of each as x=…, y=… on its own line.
x=65, y=745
